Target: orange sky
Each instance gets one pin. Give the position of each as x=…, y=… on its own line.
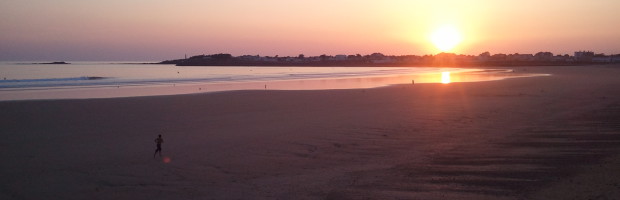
x=158, y=29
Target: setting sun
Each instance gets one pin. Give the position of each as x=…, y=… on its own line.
x=445, y=38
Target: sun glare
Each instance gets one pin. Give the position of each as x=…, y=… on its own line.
x=445, y=77
x=445, y=38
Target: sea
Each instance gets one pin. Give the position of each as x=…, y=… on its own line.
x=85, y=80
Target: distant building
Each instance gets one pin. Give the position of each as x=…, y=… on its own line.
x=584, y=56
x=615, y=58
x=340, y=57
x=315, y=59
x=602, y=58
x=269, y=59
x=562, y=58
x=520, y=57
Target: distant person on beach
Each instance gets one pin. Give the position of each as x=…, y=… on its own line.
x=158, y=140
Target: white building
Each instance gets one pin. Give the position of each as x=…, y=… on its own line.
x=340, y=57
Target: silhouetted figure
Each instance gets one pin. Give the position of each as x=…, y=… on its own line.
x=158, y=140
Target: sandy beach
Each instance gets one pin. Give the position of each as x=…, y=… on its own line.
x=550, y=137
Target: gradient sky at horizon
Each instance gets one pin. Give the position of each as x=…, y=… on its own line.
x=152, y=30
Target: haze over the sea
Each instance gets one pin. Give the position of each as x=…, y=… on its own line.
x=138, y=30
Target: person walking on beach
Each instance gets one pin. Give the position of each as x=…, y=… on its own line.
x=158, y=140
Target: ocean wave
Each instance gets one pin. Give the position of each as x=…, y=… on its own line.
x=83, y=78
x=45, y=82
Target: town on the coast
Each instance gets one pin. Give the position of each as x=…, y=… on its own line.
x=379, y=59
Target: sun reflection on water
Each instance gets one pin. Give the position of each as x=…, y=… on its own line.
x=445, y=77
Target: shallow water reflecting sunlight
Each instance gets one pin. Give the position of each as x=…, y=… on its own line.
x=445, y=77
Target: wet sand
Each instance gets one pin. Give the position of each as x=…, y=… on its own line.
x=553, y=137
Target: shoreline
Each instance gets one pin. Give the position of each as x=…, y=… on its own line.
x=195, y=86
x=525, y=138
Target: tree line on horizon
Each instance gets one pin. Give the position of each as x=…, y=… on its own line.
x=379, y=59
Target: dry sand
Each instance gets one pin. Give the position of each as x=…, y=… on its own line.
x=555, y=137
